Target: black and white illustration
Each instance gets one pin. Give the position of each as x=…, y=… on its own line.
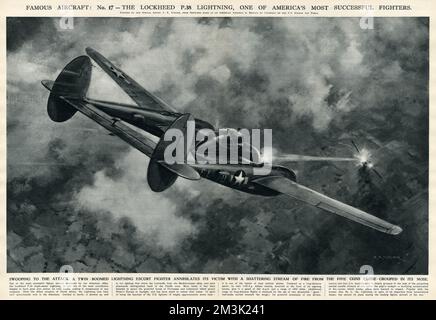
x=328, y=118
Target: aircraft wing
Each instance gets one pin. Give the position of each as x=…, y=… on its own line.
x=302, y=193
x=116, y=126
x=135, y=91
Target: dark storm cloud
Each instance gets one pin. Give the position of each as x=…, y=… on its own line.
x=78, y=196
x=21, y=30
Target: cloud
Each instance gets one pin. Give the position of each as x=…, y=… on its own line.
x=128, y=195
x=221, y=74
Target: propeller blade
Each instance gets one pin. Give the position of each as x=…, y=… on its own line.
x=377, y=173
x=355, y=146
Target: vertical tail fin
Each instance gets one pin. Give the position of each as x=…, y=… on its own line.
x=161, y=175
x=73, y=82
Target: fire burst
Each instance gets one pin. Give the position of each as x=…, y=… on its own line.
x=363, y=158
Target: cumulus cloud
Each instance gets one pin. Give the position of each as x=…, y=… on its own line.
x=128, y=196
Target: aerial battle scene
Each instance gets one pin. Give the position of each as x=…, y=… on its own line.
x=217, y=145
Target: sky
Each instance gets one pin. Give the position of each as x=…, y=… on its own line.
x=79, y=197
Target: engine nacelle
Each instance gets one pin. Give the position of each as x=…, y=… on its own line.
x=285, y=172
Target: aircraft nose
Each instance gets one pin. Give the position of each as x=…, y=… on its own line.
x=89, y=50
x=395, y=230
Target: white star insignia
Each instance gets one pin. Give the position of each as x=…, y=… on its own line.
x=119, y=74
x=239, y=178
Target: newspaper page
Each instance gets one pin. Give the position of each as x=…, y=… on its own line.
x=217, y=150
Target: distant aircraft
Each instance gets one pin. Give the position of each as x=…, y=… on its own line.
x=153, y=115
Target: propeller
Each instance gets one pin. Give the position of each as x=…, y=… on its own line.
x=364, y=156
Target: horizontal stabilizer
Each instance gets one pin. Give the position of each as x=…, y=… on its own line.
x=48, y=84
x=134, y=90
x=182, y=170
x=116, y=127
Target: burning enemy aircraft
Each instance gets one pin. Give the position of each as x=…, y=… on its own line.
x=68, y=94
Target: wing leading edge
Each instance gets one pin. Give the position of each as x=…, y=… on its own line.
x=302, y=193
x=142, y=97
